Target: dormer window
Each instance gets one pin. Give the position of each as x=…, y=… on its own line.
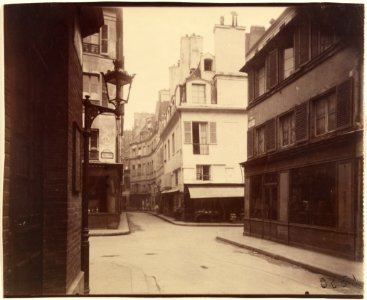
x=198, y=93
x=208, y=64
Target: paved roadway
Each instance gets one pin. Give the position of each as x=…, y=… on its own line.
x=161, y=258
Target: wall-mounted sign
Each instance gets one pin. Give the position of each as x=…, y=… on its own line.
x=107, y=154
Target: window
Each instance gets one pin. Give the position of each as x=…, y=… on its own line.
x=139, y=169
x=200, y=138
x=168, y=149
x=325, y=114
x=93, y=144
x=286, y=130
x=259, y=81
x=264, y=196
x=288, y=62
x=203, y=172
x=198, y=93
x=91, y=43
x=259, y=140
x=133, y=152
x=133, y=170
x=91, y=87
x=173, y=144
x=208, y=64
x=139, y=151
x=272, y=69
x=313, y=195
x=104, y=39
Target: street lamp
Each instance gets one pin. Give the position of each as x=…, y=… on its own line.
x=119, y=78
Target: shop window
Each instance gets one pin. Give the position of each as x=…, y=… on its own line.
x=286, y=131
x=325, y=114
x=255, y=197
x=259, y=146
x=203, y=172
x=313, y=195
x=198, y=93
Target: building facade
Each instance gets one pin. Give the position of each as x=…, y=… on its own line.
x=42, y=201
x=304, y=166
x=105, y=167
x=202, y=178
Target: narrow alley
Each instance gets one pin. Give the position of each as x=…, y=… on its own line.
x=162, y=258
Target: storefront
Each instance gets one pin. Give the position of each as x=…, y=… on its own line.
x=312, y=200
x=104, y=194
x=213, y=203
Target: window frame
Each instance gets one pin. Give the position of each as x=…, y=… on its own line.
x=195, y=98
x=292, y=134
x=200, y=176
x=102, y=39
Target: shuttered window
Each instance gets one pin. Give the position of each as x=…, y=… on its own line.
x=251, y=85
x=302, y=44
x=301, y=121
x=344, y=103
x=250, y=142
x=272, y=69
x=104, y=39
x=213, y=132
x=270, y=135
x=188, y=136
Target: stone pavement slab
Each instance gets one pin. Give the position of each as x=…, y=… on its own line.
x=121, y=230
x=338, y=268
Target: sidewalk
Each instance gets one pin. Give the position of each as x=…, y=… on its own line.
x=337, y=268
x=182, y=223
x=121, y=230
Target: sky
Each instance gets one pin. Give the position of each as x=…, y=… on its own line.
x=152, y=43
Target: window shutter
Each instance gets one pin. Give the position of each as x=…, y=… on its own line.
x=301, y=123
x=104, y=93
x=304, y=36
x=250, y=142
x=251, y=83
x=314, y=40
x=104, y=39
x=343, y=103
x=302, y=44
x=281, y=65
x=296, y=48
x=272, y=69
x=187, y=128
x=213, y=132
x=270, y=135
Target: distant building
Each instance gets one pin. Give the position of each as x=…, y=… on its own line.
x=305, y=155
x=105, y=168
x=42, y=194
x=199, y=139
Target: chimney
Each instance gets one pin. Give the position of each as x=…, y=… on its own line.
x=221, y=20
x=234, y=19
x=256, y=32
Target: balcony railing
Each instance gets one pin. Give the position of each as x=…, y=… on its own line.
x=201, y=148
x=91, y=48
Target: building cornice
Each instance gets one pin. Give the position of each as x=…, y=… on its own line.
x=221, y=109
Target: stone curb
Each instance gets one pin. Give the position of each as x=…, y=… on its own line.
x=195, y=224
x=311, y=268
x=112, y=233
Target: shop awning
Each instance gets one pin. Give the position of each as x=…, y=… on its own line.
x=170, y=191
x=197, y=192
